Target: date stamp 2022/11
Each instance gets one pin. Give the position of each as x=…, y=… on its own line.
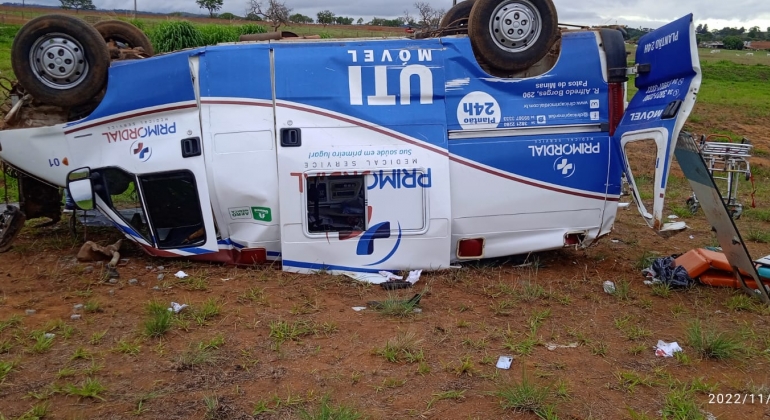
x=739, y=399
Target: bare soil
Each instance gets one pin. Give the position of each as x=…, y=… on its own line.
x=229, y=365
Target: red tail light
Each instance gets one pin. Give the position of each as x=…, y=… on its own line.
x=617, y=105
x=470, y=248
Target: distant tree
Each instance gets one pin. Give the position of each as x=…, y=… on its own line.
x=300, y=18
x=699, y=29
x=733, y=43
x=387, y=22
x=360, y=21
x=274, y=11
x=211, y=5
x=325, y=17
x=705, y=28
x=429, y=17
x=341, y=20
x=78, y=5
x=228, y=16
x=253, y=16
x=754, y=32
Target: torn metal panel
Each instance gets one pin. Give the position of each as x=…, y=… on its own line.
x=696, y=171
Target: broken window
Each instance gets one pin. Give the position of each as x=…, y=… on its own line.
x=117, y=188
x=174, y=209
x=336, y=204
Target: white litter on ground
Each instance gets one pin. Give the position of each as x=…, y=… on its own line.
x=414, y=276
x=181, y=275
x=664, y=349
x=504, y=362
x=359, y=308
x=609, y=287
x=553, y=346
x=390, y=276
x=176, y=308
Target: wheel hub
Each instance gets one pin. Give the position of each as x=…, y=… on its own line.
x=58, y=61
x=515, y=25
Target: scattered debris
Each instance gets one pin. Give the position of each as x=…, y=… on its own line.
x=359, y=308
x=414, y=276
x=49, y=335
x=673, y=217
x=113, y=281
x=181, y=275
x=78, y=307
x=666, y=271
x=553, y=346
x=176, y=308
x=664, y=349
x=396, y=284
x=92, y=252
x=161, y=276
x=609, y=287
x=504, y=362
x=161, y=268
x=133, y=282
x=75, y=317
x=88, y=270
x=31, y=312
x=390, y=276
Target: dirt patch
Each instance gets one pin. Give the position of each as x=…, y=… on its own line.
x=260, y=343
x=278, y=343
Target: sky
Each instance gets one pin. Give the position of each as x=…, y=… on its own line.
x=634, y=13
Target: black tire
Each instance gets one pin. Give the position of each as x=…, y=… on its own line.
x=455, y=21
x=126, y=33
x=60, y=40
x=520, y=48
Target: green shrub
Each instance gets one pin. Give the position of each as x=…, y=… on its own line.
x=216, y=34
x=252, y=28
x=176, y=35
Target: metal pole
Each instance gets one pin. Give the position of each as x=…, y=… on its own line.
x=134, y=9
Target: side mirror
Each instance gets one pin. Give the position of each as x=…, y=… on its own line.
x=80, y=189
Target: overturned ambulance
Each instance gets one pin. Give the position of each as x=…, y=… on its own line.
x=359, y=155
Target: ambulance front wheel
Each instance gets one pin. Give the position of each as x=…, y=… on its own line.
x=512, y=35
x=124, y=33
x=455, y=21
x=60, y=60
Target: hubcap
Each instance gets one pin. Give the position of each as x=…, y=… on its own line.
x=515, y=25
x=58, y=61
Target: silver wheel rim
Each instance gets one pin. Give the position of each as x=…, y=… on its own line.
x=515, y=25
x=58, y=61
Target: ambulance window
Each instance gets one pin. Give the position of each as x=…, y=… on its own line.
x=117, y=188
x=174, y=209
x=336, y=204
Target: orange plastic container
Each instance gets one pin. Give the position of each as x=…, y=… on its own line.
x=694, y=262
x=721, y=279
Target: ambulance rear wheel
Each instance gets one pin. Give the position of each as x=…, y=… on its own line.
x=124, y=33
x=512, y=35
x=455, y=21
x=60, y=60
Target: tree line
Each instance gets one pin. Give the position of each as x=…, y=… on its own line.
x=278, y=13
